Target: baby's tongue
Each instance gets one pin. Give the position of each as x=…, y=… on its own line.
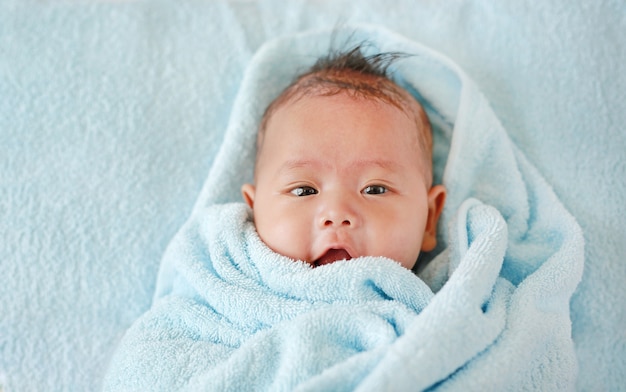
x=333, y=255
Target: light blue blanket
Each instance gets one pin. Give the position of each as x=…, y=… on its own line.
x=492, y=310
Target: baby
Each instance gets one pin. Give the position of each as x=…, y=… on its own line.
x=344, y=166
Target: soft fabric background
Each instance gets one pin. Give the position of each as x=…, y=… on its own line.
x=111, y=113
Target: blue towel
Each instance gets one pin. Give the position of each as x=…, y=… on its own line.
x=491, y=310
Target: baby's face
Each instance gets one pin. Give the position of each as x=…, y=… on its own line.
x=341, y=177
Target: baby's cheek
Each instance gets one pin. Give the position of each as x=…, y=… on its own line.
x=405, y=241
x=284, y=237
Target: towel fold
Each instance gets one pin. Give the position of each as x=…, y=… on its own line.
x=490, y=311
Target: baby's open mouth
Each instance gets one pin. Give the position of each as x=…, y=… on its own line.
x=333, y=255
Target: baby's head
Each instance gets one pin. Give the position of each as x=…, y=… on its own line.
x=344, y=166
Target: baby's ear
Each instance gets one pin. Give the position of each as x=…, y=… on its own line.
x=247, y=191
x=436, y=200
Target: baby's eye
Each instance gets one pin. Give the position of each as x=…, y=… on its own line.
x=374, y=190
x=304, y=191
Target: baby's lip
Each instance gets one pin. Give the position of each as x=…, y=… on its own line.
x=331, y=255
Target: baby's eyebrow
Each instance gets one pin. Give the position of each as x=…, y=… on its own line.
x=357, y=164
x=386, y=164
x=301, y=163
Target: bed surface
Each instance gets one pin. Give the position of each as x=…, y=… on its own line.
x=111, y=114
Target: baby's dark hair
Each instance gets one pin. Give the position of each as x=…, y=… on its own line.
x=360, y=76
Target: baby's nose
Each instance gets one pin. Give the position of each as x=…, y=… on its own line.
x=339, y=212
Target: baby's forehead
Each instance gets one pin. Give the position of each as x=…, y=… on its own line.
x=366, y=87
x=355, y=112
x=377, y=93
